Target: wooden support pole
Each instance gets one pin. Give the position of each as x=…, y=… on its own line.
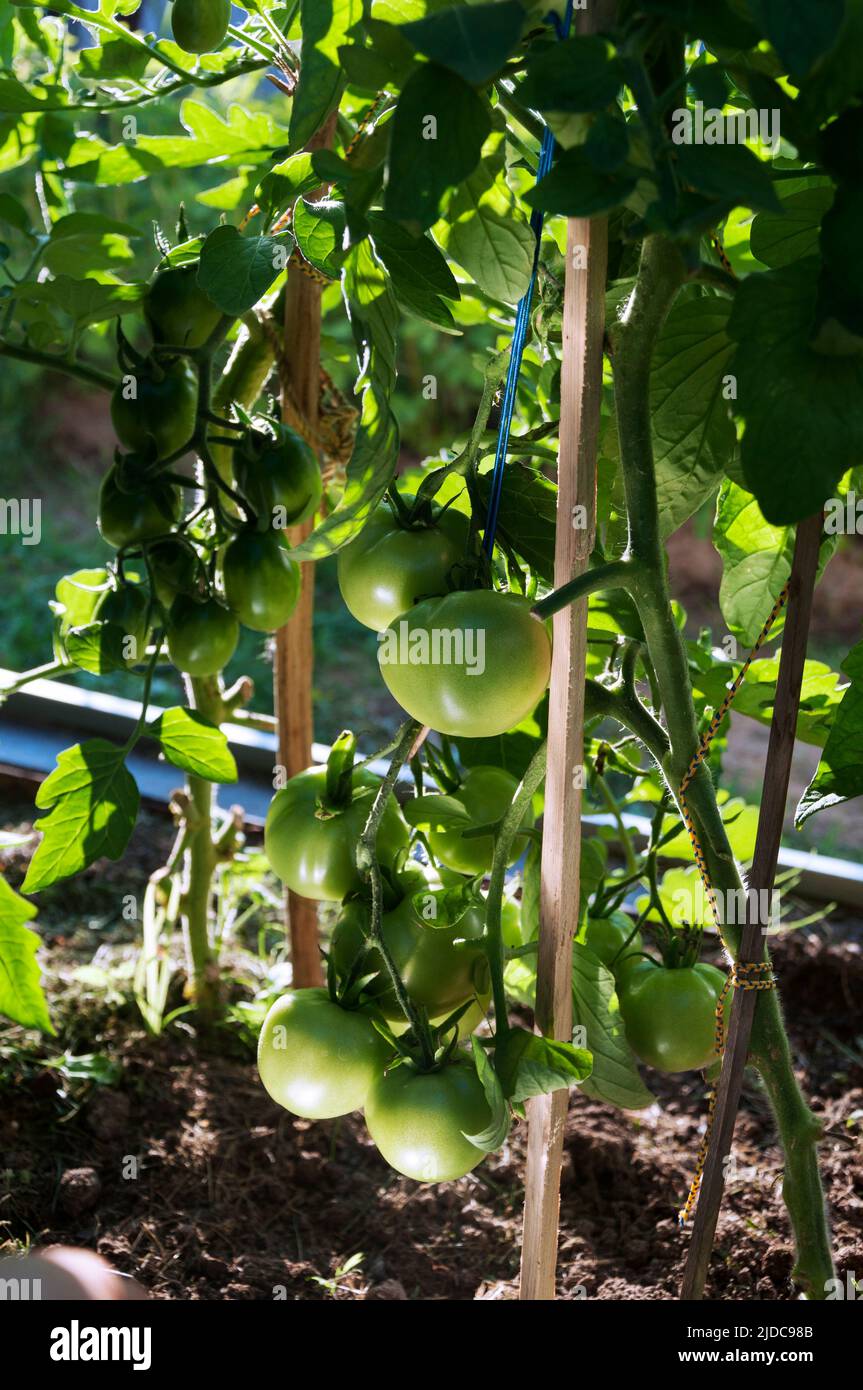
x=580, y=397
x=294, y=658
x=753, y=945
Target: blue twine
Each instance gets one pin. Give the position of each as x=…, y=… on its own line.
x=522, y=323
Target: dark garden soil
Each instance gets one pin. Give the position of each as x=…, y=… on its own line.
x=234, y=1199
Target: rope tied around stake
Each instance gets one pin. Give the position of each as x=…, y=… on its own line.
x=746, y=975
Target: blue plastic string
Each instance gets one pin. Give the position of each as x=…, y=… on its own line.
x=522, y=324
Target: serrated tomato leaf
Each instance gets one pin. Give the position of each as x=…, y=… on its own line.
x=192, y=743
x=93, y=801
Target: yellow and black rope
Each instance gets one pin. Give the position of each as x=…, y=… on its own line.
x=746, y=975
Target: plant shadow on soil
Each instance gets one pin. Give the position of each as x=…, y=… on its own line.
x=235, y=1199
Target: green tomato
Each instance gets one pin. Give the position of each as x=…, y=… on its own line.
x=260, y=580
x=178, y=312
x=125, y=608
x=418, y=1120
x=162, y=412
x=202, y=637
x=441, y=967
x=130, y=518
x=472, y=664
x=487, y=793
x=606, y=937
x=279, y=475
x=199, y=26
x=174, y=570
x=314, y=852
x=317, y=1059
x=389, y=568
x=670, y=1016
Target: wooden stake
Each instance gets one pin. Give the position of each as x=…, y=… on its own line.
x=752, y=943
x=294, y=659
x=580, y=396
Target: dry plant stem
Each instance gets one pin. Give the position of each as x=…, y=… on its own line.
x=581, y=392
x=760, y=879
x=660, y=276
x=294, y=659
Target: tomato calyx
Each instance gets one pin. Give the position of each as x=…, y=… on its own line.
x=339, y=788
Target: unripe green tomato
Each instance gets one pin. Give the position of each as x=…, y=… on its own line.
x=670, y=1017
x=199, y=26
x=129, y=518
x=279, y=475
x=487, y=793
x=161, y=415
x=315, y=854
x=441, y=967
x=419, y=1120
x=202, y=637
x=174, y=570
x=472, y=664
x=388, y=568
x=126, y=609
x=317, y=1059
x=606, y=937
x=260, y=580
x=177, y=310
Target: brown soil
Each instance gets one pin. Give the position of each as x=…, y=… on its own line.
x=234, y=1199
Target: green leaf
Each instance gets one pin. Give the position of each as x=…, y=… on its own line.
x=435, y=812
x=472, y=40
x=576, y=189
x=115, y=58
x=14, y=214
x=236, y=271
x=820, y=694
x=438, y=131
x=839, y=775
x=78, y=595
x=93, y=803
x=15, y=98
x=803, y=429
x=527, y=516
x=693, y=433
x=325, y=24
x=578, y=74
x=21, y=996
x=492, y=1137
x=486, y=233
x=374, y=319
x=83, y=301
x=286, y=181
x=96, y=647
x=194, y=744
x=731, y=173
x=320, y=232
x=615, y=1077
x=800, y=32
x=411, y=260
x=778, y=238
x=529, y=1065
x=756, y=562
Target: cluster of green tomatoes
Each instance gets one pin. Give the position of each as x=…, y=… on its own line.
x=223, y=562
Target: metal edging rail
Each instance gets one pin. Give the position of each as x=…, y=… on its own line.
x=36, y=722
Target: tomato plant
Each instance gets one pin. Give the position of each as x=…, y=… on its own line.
x=441, y=966
x=260, y=580
x=419, y=1120
x=317, y=1059
x=727, y=379
x=156, y=409
x=393, y=563
x=670, y=1016
x=472, y=664
x=311, y=840
x=278, y=473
